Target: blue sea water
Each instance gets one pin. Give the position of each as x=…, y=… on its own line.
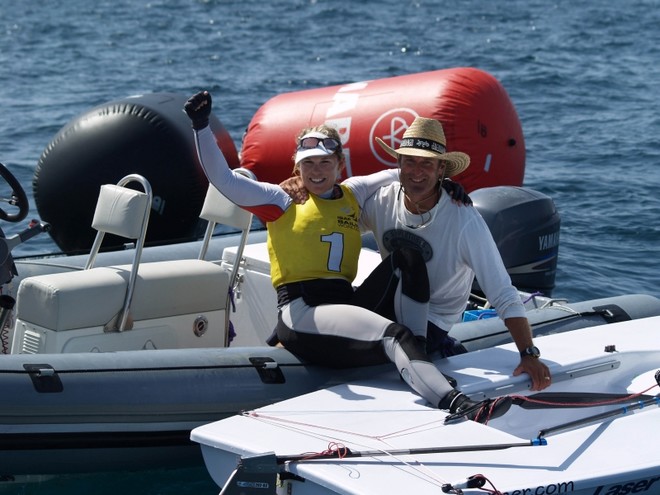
x=583, y=76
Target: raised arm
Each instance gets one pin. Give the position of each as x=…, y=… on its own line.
x=265, y=200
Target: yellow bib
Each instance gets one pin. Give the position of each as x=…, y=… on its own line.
x=320, y=239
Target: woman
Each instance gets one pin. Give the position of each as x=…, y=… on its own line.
x=314, y=250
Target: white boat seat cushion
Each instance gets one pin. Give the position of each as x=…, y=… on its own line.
x=90, y=298
x=121, y=211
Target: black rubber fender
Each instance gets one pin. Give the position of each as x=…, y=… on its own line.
x=149, y=135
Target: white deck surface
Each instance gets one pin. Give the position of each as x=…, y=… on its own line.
x=384, y=415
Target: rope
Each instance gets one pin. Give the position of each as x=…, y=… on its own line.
x=618, y=400
x=338, y=450
x=293, y=425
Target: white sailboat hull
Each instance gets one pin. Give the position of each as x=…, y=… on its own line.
x=617, y=454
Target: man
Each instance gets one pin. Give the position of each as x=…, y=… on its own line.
x=454, y=240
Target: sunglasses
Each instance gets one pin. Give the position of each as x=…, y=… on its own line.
x=310, y=143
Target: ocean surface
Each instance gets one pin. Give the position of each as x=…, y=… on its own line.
x=583, y=76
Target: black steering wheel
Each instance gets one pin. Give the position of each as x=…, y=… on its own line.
x=18, y=198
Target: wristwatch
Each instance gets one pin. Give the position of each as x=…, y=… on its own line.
x=531, y=351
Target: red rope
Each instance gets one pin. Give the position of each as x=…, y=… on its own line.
x=334, y=450
x=492, y=490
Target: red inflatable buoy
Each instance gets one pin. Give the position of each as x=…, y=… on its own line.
x=476, y=112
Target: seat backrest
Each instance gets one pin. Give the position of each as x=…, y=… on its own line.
x=123, y=212
x=217, y=209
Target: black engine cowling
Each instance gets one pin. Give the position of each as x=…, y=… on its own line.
x=525, y=225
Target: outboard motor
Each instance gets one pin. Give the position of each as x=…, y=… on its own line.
x=525, y=226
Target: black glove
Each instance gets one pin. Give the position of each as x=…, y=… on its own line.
x=456, y=191
x=198, y=108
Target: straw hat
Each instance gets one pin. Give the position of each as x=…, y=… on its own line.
x=425, y=137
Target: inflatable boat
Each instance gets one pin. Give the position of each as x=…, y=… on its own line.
x=112, y=365
x=111, y=357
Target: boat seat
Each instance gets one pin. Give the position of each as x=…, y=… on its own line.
x=121, y=211
x=217, y=209
x=67, y=301
x=114, y=299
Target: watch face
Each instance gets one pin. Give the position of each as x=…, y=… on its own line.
x=531, y=351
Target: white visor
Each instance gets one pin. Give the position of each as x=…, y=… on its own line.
x=301, y=154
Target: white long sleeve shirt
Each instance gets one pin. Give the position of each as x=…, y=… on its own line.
x=456, y=244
